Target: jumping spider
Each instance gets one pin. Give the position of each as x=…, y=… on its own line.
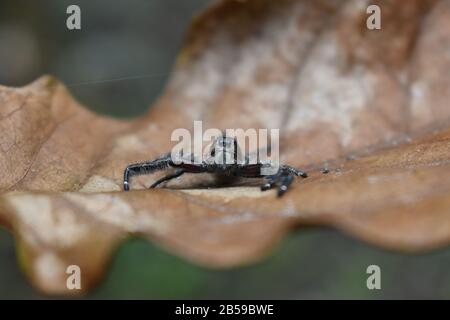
x=227, y=147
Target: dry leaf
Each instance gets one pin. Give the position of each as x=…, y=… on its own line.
x=370, y=105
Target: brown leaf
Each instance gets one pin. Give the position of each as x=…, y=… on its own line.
x=370, y=105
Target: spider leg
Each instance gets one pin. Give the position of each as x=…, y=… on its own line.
x=285, y=182
x=269, y=184
x=283, y=179
x=144, y=168
x=294, y=171
x=174, y=175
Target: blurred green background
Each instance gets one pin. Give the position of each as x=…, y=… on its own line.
x=139, y=40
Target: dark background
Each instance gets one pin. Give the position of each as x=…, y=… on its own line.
x=139, y=40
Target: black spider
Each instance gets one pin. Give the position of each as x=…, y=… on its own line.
x=227, y=147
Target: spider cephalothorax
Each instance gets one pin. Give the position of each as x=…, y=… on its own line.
x=224, y=158
x=223, y=152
